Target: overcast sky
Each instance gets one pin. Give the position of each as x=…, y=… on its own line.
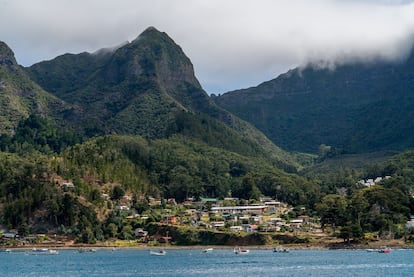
x=232, y=43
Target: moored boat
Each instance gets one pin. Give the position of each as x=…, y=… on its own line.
x=46, y=251
x=158, y=253
x=40, y=250
x=238, y=251
x=281, y=250
x=87, y=250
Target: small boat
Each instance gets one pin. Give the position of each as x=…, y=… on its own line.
x=40, y=250
x=44, y=251
x=385, y=250
x=87, y=250
x=281, y=250
x=52, y=252
x=158, y=253
x=240, y=251
x=207, y=250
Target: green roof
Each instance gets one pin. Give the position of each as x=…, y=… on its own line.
x=209, y=199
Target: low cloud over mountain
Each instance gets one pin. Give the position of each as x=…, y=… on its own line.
x=232, y=43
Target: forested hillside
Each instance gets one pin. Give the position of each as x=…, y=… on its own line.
x=33, y=197
x=102, y=134
x=32, y=177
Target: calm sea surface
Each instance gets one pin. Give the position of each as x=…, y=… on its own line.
x=216, y=263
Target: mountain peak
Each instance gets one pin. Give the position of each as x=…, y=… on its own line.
x=151, y=29
x=150, y=32
x=6, y=55
x=154, y=53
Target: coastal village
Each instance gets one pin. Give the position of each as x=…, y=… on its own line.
x=228, y=215
x=238, y=217
x=152, y=221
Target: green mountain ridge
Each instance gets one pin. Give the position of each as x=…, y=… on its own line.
x=354, y=108
x=146, y=87
x=20, y=96
x=149, y=77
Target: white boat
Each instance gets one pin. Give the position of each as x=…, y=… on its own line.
x=43, y=251
x=87, y=250
x=207, y=250
x=39, y=250
x=158, y=253
x=240, y=251
x=281, y=250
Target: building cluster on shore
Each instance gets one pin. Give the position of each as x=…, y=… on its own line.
x=231, y=215
x=228, y=215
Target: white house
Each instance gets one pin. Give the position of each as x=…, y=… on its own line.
x=140, y=233
x=236, y=228
x=218, y=224
x=239, y=209
x=67, y=185
x=122, y=208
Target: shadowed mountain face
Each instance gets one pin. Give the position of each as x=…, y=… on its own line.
x=20, y=96
x=355, y=108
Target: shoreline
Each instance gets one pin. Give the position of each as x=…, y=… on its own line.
x=310, y=246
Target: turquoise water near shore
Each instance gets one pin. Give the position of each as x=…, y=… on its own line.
x=105, y=262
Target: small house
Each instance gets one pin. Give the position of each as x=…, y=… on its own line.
x=140, y=233
x=9, y=236
x=67, y=185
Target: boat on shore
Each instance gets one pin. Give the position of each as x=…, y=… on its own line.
x=240, y=251
x=158, y=253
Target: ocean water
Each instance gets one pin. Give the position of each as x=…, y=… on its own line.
x=216, y=263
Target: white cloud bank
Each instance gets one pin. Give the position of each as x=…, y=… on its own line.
x=232, y=43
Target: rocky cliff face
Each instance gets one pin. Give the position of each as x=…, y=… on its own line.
x=6, y=55
x=170, y=64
